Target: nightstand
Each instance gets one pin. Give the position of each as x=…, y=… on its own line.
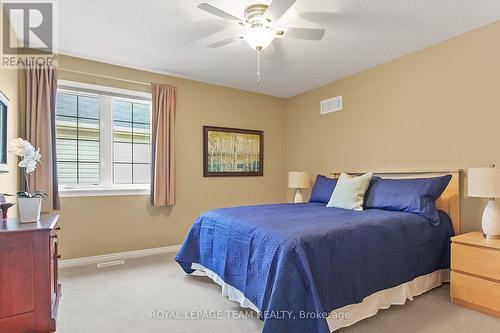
x=475, y=276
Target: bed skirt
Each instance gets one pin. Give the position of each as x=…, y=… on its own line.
x=352, y=313
x=383, y=299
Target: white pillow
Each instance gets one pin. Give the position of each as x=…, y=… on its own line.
x=349, y=193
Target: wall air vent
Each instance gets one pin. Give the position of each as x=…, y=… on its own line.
x=331, y=105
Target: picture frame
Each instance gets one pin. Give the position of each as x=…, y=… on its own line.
x=232, y=152
x=4, y=106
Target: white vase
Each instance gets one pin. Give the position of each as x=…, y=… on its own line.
x=29, y=209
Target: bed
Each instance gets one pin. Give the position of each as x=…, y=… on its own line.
x=308, y=268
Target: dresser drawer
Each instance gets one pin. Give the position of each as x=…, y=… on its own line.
x=476, y=260
x=477, y=291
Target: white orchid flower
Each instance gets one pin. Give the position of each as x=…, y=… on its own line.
x=30, y=156
x=30, y=166
x=36, y=155
x=28, y=149
x=28, y=163
x=16, y=146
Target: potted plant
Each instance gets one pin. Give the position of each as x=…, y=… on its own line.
x=29, y=203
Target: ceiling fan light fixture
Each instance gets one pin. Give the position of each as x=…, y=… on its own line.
x=259, y=38
x=260, y=27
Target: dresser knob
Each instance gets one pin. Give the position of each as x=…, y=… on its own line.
x=57, y=228
x=58, y=256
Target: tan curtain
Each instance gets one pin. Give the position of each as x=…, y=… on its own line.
x=41, y=89
x=162, y=147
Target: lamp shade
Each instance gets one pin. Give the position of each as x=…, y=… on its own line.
x=484, y=182
x=259, y=37
x=298, y=179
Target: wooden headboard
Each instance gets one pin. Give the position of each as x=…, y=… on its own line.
x=448, y=202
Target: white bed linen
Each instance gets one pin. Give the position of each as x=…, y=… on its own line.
x=349, y=314
x=383, y=299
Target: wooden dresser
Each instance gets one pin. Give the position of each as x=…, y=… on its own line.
x=29, y=288
x=475, y=276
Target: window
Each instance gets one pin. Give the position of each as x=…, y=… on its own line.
x=77, y=134
x=103, y=140
x=131, y=159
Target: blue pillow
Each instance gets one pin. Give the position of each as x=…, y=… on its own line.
x=322, y=189
x=408, y=195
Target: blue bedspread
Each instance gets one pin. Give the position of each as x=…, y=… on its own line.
x=307, y=259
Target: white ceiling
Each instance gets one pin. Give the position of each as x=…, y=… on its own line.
x=169, y=36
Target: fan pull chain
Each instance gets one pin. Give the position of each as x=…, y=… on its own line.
x=259, y=76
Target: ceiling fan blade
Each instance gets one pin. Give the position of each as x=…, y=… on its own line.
x=277, y=8
x=305, y=33
x=224, y=42
x=219, y=13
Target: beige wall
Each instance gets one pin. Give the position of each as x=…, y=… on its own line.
x=438, y=108
x=10, y=86
x=433, y=109
x=99, y=225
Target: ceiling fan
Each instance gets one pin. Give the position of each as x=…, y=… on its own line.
x=260, y=26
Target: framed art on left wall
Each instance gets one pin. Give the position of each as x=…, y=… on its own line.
x=4, y=104
x=232, y=152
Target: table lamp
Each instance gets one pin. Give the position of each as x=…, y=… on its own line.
x=485, y=183
x=298, y=180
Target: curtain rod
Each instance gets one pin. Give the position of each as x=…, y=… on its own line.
x=105, y=77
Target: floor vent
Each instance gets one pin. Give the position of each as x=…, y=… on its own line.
x=110, y=263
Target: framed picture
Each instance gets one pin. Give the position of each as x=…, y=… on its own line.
x=4, y=104
x=232, y=152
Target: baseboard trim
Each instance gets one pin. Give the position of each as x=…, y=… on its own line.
x=94, y=260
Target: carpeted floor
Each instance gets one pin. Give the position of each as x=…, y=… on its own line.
x=153, y=294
